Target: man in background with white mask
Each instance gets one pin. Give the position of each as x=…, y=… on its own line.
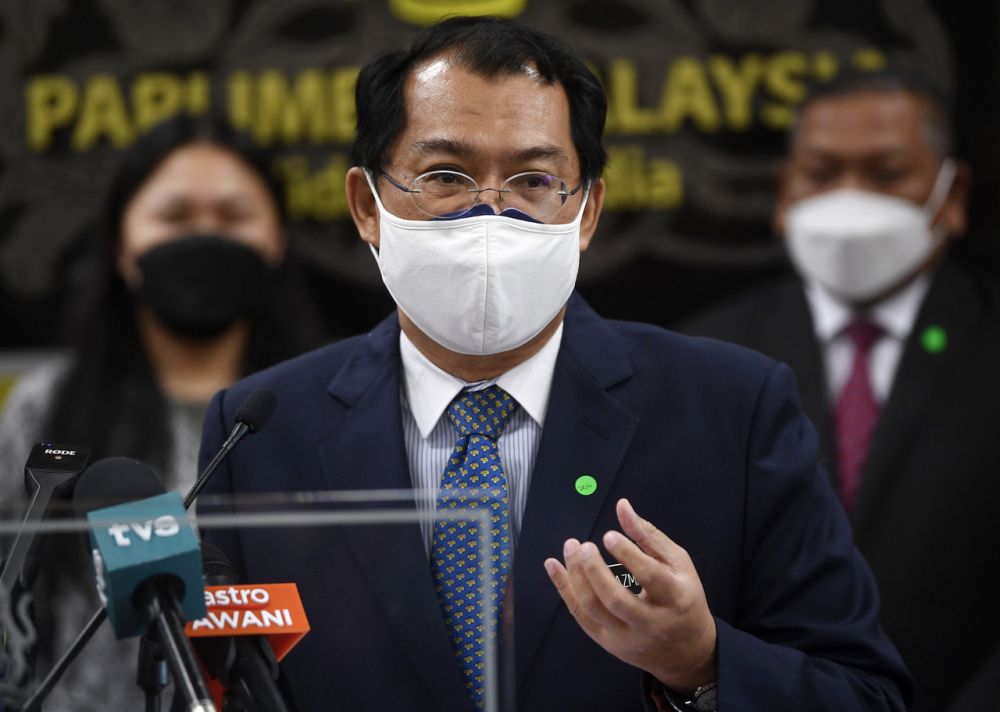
x=477, y=185
x=896, y=348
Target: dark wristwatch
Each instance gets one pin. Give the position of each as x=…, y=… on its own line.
x=704, y=699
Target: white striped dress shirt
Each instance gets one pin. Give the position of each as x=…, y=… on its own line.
x=426, y=393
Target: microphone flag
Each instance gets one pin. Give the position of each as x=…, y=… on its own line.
x=272, y=610
x=134, y=541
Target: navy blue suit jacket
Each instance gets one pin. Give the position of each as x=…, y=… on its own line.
x=706, y=440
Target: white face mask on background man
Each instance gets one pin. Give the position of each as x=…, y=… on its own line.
x=478, y=285
x=859, y=244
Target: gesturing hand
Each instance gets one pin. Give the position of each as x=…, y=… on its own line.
x=667, y=630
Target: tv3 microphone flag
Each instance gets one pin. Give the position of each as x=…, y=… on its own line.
x=137, y=540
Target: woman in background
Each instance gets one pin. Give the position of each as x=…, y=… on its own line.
x=194, y=290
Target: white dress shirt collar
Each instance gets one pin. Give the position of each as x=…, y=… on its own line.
x=896, y=315
x=429, y=390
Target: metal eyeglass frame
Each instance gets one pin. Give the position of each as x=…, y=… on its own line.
x=565, y=194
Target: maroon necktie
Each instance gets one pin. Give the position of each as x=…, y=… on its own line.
x=856, y=412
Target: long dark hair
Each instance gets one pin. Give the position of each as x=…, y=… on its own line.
x=110, y=398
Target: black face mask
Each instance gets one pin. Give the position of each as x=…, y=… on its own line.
x=199, y=285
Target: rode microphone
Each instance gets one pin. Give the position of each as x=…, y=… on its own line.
x=49, y=474
x=251, y=416
x=148, y=565
x=248, y=629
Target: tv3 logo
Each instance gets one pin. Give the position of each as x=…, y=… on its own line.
x=165, y=526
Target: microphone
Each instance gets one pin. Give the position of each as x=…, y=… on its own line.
x=148, y=565
x=149, y=538
x=251, y=416
x=247, y=631
x=50, y=473
x=49, y=476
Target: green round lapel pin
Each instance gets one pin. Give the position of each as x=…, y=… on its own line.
x=934, y=339
x=586, y=485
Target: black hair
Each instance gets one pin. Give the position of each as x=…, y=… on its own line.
x=110, y=398
x=890, y=80
x=489, y=47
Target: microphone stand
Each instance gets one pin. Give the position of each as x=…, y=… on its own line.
x=160, y=610
x=153, y=675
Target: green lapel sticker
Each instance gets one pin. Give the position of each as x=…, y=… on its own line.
x=934, y=339
x=586, y=485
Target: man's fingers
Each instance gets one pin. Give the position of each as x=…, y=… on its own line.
x=560, y=579
x=577, y=592
x=650, y=539
x=619, y=602
x=578, y=556
x=658, y=580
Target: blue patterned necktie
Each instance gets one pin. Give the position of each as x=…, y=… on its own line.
x=479, y=418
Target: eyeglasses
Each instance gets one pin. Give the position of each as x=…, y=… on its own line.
x=450, y=194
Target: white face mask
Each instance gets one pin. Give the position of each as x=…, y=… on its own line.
x=858, y=244
x=478, y=285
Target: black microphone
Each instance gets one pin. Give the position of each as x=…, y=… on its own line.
x=113, y=481
x=244, y=664
x=49, y=474
x=144, y=555
x=251, y=416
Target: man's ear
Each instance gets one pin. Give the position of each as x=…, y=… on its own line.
x=361, y=201
x=591, y=213
x=953, y=216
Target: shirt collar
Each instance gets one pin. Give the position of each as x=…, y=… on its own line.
x=429, y=390
x=896, y=315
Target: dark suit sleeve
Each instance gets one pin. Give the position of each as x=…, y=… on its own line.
x=806, y=635
x=220, y=486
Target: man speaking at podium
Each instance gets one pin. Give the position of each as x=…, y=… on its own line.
x=477, y=184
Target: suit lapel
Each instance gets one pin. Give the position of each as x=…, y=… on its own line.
x=586, y=432
x=363, y=449
x=951, y=305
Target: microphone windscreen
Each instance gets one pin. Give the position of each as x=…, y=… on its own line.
x=256, y=409
x=216, y=567
x=112, y=481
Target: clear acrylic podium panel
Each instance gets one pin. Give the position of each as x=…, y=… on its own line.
x=310, y=512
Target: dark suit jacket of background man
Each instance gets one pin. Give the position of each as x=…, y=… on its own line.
x=708, y=442
x=927, y=516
